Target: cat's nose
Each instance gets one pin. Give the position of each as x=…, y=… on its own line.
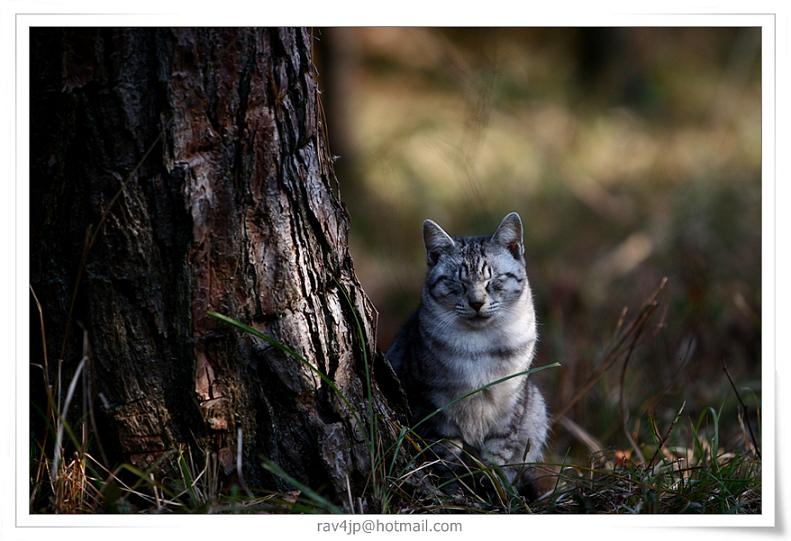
x=476, y=305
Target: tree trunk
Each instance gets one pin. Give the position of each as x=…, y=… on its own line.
x=180, y=171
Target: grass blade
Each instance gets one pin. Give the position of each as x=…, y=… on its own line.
x=291, y=353
x=439, y=410
x=319, y=500
x=364, y=349
x=62, y=420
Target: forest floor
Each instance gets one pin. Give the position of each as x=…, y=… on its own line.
x=682, y=467
x=702, y=478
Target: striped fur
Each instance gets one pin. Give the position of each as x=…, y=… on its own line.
x=475, y=324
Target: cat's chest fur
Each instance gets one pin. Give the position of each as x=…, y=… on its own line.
x=464, y=360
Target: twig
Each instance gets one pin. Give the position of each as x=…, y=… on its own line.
x=239, y=461
x=44, y=352
x=156, y=491
x=615, y=351
x=664, y=438
x=744, y=409
x=593, y=445
x=622, y=398
x=621, y=320
x=349, y=494
x=51, y=409
x=88, y=381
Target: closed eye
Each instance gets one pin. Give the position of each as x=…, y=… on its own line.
x=437, y=281
x=443, y=286
x=502, y=278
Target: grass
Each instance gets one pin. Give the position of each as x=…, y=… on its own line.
x=614, y=484
x=681, y=467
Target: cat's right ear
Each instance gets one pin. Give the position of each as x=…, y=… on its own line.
x=437, y=242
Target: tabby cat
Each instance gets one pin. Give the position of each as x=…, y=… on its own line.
x=475, y=324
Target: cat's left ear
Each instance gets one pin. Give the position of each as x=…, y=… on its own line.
x=509, y=235
x=437, y=241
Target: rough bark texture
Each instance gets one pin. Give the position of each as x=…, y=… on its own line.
x=235, y=210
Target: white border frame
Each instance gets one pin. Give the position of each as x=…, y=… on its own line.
x=288, y=524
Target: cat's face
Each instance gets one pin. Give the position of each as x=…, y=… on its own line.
x=476, y=280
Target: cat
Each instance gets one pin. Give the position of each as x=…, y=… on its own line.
x=475, y=324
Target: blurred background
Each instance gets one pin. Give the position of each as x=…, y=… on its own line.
x=631, y=154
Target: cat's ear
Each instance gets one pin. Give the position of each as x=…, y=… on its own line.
x=509, y=235
x=437, y=241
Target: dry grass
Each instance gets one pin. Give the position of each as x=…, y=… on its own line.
x=686, y=470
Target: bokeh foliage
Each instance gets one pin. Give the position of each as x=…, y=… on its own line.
x=631, y=154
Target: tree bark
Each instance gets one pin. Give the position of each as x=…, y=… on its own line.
x=180, y=171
